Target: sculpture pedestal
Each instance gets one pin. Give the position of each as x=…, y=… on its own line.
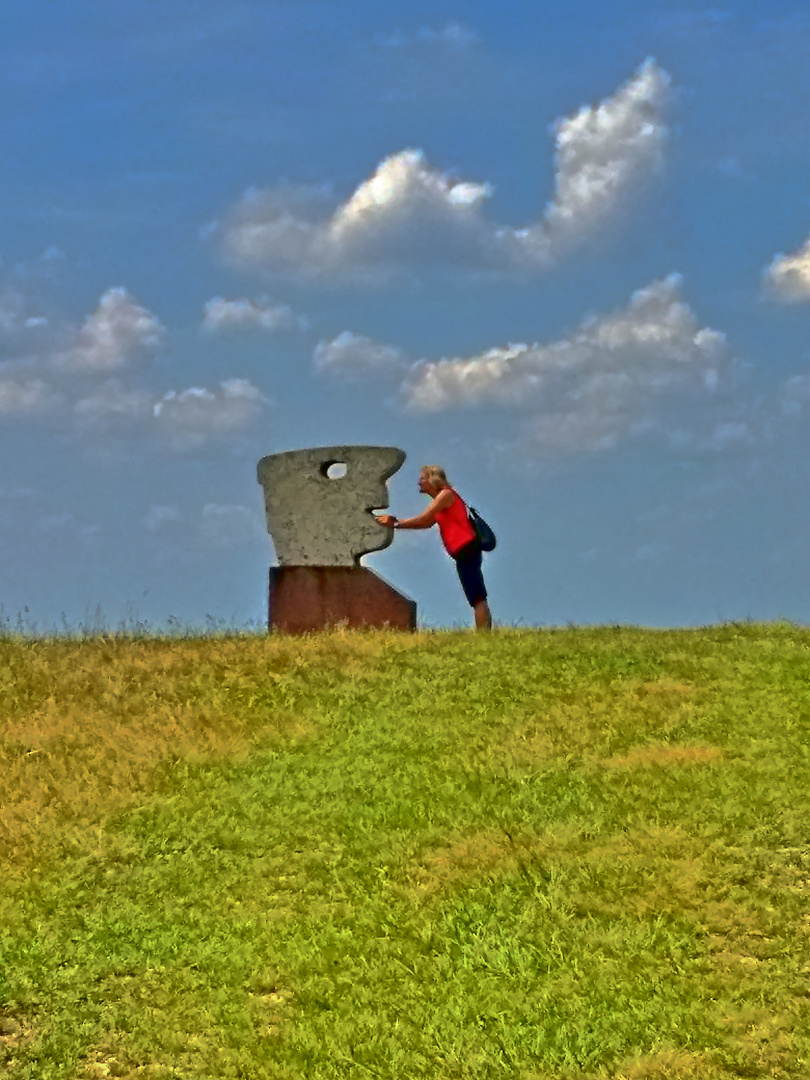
x=307, y=598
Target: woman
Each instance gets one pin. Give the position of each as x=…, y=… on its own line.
x=448, y=510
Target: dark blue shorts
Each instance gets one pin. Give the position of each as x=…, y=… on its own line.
x=468, y=564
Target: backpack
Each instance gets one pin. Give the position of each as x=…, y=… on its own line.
x=486, y=537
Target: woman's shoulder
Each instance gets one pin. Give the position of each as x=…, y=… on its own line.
x=446, y=497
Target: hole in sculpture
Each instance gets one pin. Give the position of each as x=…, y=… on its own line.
x=335, y=470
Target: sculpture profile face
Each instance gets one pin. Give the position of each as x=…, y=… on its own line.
x=319, y=502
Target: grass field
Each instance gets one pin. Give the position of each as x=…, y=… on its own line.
x=533, y=854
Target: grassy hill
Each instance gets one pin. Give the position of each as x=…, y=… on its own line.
x=535, y=854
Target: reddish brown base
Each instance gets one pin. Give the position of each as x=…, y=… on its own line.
x=306, y=598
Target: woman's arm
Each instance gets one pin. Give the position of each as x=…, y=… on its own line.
x=423, y=520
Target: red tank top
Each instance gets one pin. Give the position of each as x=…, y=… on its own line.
x=454, y=525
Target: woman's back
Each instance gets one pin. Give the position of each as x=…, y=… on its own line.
x=454, y=525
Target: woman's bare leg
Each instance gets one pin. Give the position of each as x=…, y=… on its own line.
x=483, y=616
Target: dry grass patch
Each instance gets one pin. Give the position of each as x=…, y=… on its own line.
x=271, y=1008
x=103, y=1063
x=463, y=859
x=611, y=884
x=667, y=687
x=665, y=755
x=84, y=726
x=763, y=1039
x=642, y=873
x=58, y=771
x=671, y=1065
x=577, y=726
x=16, y=1033
x=115, y=1064
x=681, y=878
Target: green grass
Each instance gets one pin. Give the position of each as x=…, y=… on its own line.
x=534, y=854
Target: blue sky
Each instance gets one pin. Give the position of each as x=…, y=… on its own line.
x=561, y=250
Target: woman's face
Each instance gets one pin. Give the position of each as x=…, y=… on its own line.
x=425, y=485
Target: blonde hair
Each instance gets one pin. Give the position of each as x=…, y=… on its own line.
x=435, y=476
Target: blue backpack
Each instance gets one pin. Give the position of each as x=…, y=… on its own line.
x=486, y=537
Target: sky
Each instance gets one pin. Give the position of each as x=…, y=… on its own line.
x=561, y=250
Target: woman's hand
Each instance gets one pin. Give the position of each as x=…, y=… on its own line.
x=386, y=519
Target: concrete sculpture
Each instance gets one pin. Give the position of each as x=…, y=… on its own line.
x=319, y=504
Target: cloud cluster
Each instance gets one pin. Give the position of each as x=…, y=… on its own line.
x=353, y=356
x=244, y=314
x=795, y=395
x=78, y=377
x=578, y=393
x=117, y=329
x=650, y=345
x=24, y=396
x=787, y=279
x=159, y=517
x=230, y=526
x=11, y=311
x=34, y=520
x=409, y=215
x=601, y=150
x=111, y=405
x=192, y=417
x=452, y=35
x=175, y=533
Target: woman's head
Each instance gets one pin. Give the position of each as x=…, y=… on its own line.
x=433, y=476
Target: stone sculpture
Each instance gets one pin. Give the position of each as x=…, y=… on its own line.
x=319, y=504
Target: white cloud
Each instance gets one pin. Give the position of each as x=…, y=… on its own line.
x=159, y=517
x=63, y=527
x=118, y=328
x=406, y=213
x=410, y=215
x=353, y=356
x=221, y=314
x=21, y=331
x=21, y=288
x=22, y=397
x=706, y=433
x=728, y=433
x=231, y=526
x=45, y=355
x=795, y=395
x=74, y=373
x=589, y=390
x=187, y=419
x=11, y=310
x=603, y=149
x=787, y=279
x=453, y=34
x=35, y=520
x=192, y=417
x=113, y=402
x=218, y=525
